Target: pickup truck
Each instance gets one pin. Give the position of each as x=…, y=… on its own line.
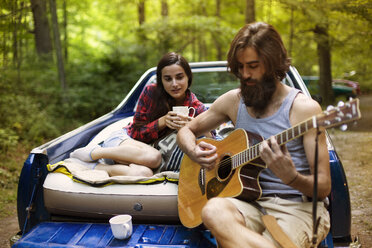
x=57, y=208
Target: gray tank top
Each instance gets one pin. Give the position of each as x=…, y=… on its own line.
x=267, y=127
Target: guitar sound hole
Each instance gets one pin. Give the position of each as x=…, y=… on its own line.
x=224, y=168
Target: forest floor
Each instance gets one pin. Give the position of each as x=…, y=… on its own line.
x=355, y=150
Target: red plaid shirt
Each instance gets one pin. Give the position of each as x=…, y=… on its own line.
x=150, y=132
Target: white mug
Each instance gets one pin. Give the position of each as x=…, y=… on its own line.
x=184, y=110
x=121, y=226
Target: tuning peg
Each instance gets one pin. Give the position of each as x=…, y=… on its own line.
x=330, y=107
x=340, y=104
x=343, y=127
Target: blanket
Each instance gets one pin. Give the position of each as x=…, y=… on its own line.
x=98, y=178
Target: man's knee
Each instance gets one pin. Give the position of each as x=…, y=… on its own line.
x=218, y=210
x=213, y=210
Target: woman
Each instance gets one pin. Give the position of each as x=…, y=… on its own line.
x=128, y=149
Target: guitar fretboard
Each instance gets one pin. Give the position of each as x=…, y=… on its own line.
x=253, y=152
x=330, y=118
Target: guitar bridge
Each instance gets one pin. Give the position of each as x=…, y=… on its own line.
x=201, y=180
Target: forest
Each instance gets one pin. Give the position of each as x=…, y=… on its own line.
x=66, y=62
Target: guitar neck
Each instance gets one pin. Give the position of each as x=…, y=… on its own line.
x=333, y=117
x=282, y=138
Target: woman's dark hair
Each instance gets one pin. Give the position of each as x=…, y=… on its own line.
x=268, y=45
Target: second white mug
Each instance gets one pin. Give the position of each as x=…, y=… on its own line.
x=121, y=226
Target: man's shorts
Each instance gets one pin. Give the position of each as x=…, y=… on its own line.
x=295, y=219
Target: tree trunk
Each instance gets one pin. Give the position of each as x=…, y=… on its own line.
x=164, y=8
x=164, y=37
x=218, y=8
x=4, y=46
x=203, y=51
x=141, y=35
x=291, y=33
x=201, y=39
x=18, y=22
x=65, y=30
x=141, y=20
x=324, y=57
x=141, y=12
x=58, y=47
x=42, y=33
x=23, y=23
x=15, y=32
x=250, y=14
x=215, y=36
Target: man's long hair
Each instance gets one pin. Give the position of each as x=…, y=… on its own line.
x=268, y=45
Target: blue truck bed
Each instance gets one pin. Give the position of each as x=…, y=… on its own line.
x=71, y=234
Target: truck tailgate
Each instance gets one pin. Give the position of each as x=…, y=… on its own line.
x=71, y=234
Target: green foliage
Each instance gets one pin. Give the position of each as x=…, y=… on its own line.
x=8, y=139
x=351, y=35
x=349, y=24
x=33, y=107
x=98, y=86
x=194, y=37
x=22, y=113
x=108, y=50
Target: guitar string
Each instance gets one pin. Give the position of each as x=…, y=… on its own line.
x=226, y=162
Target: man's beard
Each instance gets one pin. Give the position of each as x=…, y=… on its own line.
x=259, y=95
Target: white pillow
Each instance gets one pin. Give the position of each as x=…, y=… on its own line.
x=104, y=134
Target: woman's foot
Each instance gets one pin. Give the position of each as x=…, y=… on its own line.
x=84, y=153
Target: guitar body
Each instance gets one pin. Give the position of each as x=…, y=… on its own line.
x=196, y=185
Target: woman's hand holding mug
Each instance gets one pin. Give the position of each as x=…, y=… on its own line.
x=178, y=117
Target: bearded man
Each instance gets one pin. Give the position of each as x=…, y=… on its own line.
x=265, y=106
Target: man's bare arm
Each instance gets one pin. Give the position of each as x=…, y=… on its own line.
x=279, y=160
x=204, y=153
x=309, y=108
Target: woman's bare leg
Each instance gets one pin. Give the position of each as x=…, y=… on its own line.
x=128, y=152
x=125, y=170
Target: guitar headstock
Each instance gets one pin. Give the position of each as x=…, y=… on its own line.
x=336, y=116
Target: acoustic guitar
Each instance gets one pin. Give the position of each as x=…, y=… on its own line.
x=239, y=164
